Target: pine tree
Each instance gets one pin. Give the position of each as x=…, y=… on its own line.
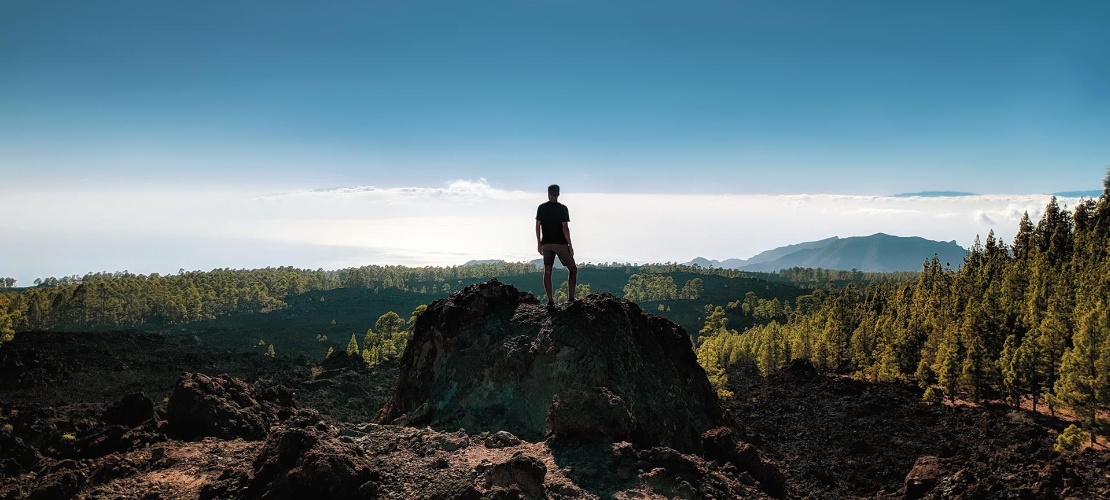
x=948, y=362
x=352, y=346
x=715, y=321
x=1082, y=385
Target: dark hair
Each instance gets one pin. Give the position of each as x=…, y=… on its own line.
x=553, y=190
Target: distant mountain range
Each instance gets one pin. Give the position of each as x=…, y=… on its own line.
x=878, y=253
x=939, y=194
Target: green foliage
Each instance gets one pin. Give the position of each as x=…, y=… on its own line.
x=391, y=337
x=1072, y=439
x=352, y=346
x=1084, y=383
x=715, y=322
x=10, y=311
x=643, y=287
x=562, y=294
x=932, y=395
x=1020, y=322
x=692, y=290
x=114, y=300
x=331, y=350
x=270, y=351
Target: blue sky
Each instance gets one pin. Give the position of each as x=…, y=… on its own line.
x=149, y=135
x=740, y=97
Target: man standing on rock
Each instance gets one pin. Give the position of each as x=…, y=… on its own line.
x=553, y=238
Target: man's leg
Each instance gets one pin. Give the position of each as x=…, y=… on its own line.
x=572, y=280
x=547, y=282
x=548, y=264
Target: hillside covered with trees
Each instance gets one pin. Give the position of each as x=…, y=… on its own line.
x=1025, y=322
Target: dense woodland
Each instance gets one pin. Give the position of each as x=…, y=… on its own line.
x=115, y=300
x=1022, y=322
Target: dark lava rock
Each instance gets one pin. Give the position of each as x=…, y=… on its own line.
x=490, y=358
x=130, y=411
x=15, y=455
x=501, y=439
x=225, y=407
x=521, y=473
x=924, y=476
x=306, y=460
x=340, y=360
x=722, y=445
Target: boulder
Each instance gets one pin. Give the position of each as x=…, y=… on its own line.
x=490, y=358
x=130, y=411
x=924, y=476
x=305, y=459
x=225, y=407
x=523, y=474
x=724, y=446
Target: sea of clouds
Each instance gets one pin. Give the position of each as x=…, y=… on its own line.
x=76, y=232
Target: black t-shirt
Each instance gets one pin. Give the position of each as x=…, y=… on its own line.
x=552, y=215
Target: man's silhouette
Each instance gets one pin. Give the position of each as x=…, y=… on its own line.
x=553, y=238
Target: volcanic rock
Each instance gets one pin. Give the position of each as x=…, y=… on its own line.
x=490, y=358
x=521, y=473
x=130, y=411
x=305, y=460
x=926, y=473
x=225, y=407
x=722, y=444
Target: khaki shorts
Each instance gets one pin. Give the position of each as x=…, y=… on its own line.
x=550, y=250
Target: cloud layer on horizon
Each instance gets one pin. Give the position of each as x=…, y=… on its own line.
x=77, y=232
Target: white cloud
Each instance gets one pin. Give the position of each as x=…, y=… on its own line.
x=75, y=232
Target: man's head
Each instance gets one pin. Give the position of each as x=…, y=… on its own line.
x=553, y=192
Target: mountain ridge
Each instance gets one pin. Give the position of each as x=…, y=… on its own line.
x=878, y=252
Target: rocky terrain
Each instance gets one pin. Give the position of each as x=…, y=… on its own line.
x=496, y=397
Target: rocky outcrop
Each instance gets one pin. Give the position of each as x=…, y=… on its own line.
x=303, y=459
x=225, y=407
x=520, y=475
x=491, y=358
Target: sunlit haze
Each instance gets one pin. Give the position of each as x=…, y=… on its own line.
x=149, y=137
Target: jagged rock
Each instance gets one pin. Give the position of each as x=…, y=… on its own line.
x=225, y=407
x=802, y=368
x=501, y=439
x=303, y=459
x=16, y=456
x=522, y=473
x=61, y=480
x=490, y=358
x=723, y=445
x=130, y=411
x=340, y=360
x=926, y=473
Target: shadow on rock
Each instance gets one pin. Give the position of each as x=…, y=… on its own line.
x=490, y=358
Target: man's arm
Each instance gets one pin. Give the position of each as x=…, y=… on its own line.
x=566, y=234
x=539, y=246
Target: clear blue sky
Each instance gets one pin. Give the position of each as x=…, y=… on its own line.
x=865, y=97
